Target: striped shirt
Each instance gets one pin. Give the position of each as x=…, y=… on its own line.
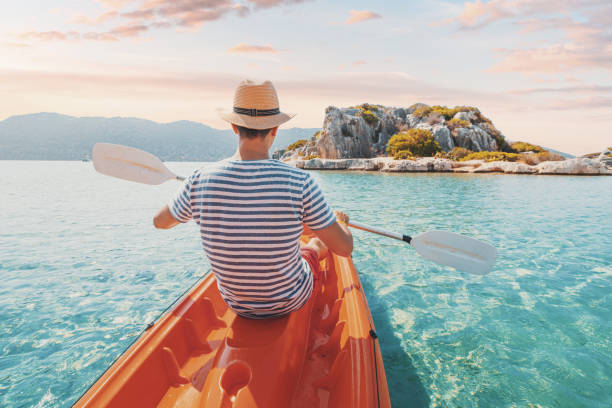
x=250, y=215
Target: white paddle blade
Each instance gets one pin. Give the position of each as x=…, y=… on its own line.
x=130, y=164
x=455, y=250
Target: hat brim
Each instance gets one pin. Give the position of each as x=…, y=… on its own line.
x=256, y=122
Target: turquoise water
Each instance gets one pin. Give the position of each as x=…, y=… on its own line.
x=82, y=271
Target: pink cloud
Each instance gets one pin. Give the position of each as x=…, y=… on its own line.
x=50, y=35
x=554, y=59
x=586, y=44
x=129, y=30
x=359, y=62
x=274, y=3
x=245, y=48
x=158, y=14
x=102, y=18
x=359, y=16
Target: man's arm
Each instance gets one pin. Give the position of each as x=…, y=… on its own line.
x=337, y=236
x=164, y=219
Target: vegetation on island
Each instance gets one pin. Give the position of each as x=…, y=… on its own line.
x=491, y=156
x=297, y=145
x=413, y=142
x=421, y=110
x=457, y=123
x=366, y=111
x=520, y=147
x=458, y=153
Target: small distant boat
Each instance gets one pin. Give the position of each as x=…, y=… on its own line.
x=201, y=354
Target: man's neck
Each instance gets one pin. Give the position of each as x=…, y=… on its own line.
x=249, y=153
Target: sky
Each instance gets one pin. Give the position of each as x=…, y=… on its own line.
x=540, y=69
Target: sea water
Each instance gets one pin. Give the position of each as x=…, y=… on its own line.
x=83, y=271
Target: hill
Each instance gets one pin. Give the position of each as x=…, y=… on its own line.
x=52, y=136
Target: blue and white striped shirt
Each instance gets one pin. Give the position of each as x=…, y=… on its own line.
x=250, y=215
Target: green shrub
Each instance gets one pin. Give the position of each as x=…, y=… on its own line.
x=457, y=123
x=520, y=147
x=458, y=153
x=419, y=142
x=317, y=134
x=492, y=156
x=403, y=155
x=367, y=106
x=444, y=111
x=441, y=155
x=422, y=111
x=311, y=156
x=297, y=145
x=369, y=117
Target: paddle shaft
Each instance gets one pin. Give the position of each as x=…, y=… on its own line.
x=379, y=231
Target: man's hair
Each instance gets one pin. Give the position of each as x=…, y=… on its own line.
x=252, y=133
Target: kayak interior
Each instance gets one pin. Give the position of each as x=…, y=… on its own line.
x=200, y=354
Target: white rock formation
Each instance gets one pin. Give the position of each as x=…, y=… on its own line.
x=346, y=134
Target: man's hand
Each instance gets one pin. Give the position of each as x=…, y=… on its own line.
x=342, y=217
x=337, y=236
x=164, y=219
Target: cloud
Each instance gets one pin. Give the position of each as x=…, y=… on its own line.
x=567, y=89
x=479, y=14
x=359, y=16
x=102, y=18
x=140, y=16
x=50, y=35
x=582, y=28
x=274, y=3
x=245, y=48
x=359, y=62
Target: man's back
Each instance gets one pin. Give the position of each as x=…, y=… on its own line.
x=250, y=214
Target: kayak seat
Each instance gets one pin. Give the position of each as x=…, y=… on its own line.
x=260, y=362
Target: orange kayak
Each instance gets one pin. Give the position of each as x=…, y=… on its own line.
x=200, y=354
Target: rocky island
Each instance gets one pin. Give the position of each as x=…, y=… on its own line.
x=424, y=138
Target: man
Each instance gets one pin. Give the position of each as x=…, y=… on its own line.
x=250, y=211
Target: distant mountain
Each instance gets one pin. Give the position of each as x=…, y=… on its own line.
x=51, y=136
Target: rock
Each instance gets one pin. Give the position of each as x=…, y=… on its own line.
x=474, y=138
x=404, y=166
x=442, y=165
x=362, y=164
x=351, y=111
x=578, y=165
x=278, y=154
x=467, y=163
x=443, y=137
x=467, y=116
x=322, y=164
x=412, y=120
x=505, y=167
x=344, y=136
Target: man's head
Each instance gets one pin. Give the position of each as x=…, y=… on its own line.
x=257, y=138
x=256, y=107
x=249, y=133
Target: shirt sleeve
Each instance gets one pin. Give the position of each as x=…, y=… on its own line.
x=180, y=204
x=316, y=213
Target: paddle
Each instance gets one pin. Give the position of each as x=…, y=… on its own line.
x=446, y=248
x=130, y=164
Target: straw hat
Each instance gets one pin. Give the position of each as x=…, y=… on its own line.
x=256, y=106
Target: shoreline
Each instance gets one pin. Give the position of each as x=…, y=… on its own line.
x=578, y=166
